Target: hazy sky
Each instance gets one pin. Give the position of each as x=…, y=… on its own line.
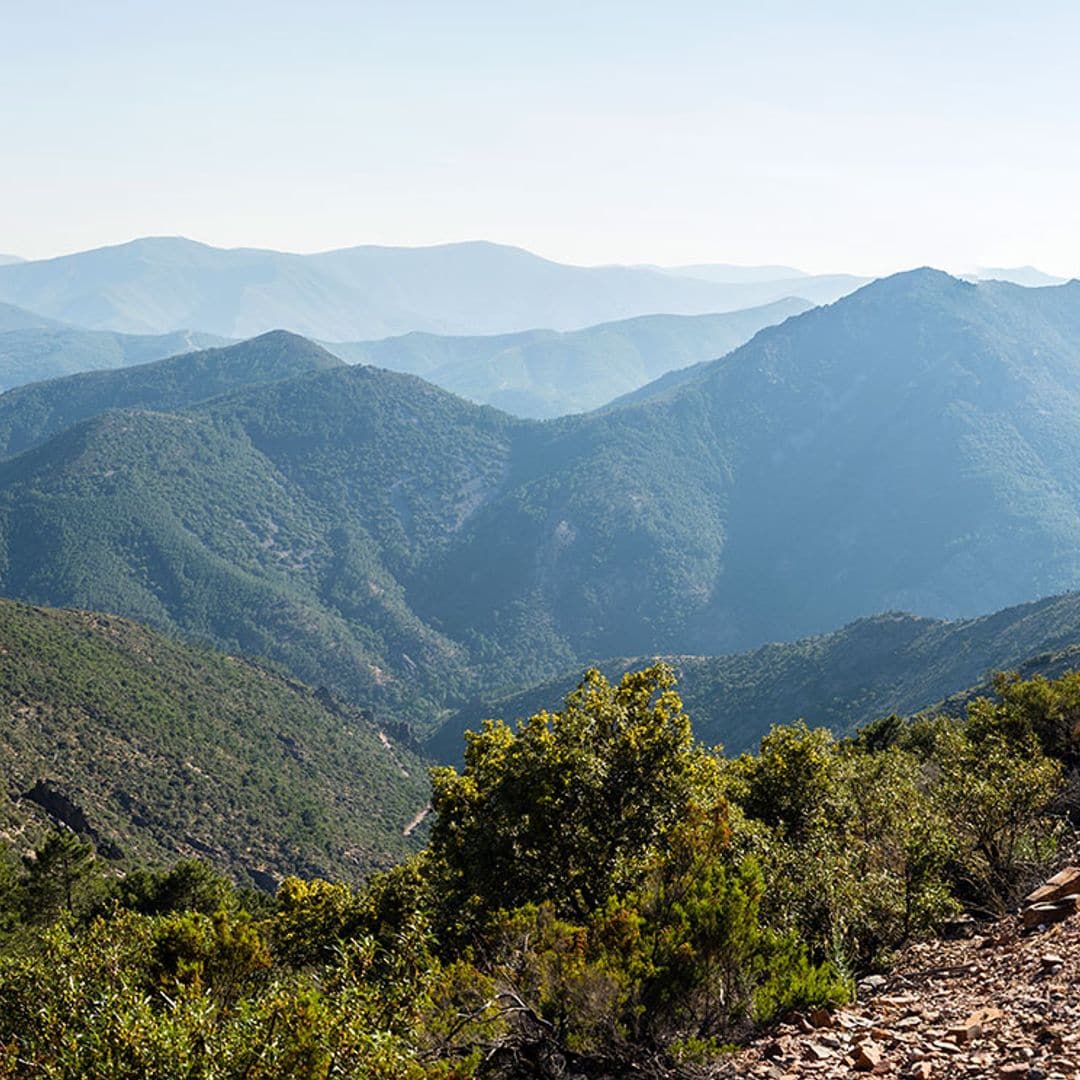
x=831, y=135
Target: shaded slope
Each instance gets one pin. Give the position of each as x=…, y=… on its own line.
x=912, y=446
x=171, y=750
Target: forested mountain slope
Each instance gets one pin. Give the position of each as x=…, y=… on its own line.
x=890, y=663
x=914, y=446
x=30, y=414
x=271, y=521
x=158, y=750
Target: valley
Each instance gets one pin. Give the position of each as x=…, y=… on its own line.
x=412, y=551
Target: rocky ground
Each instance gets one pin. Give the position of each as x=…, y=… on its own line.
x=1004, y=1002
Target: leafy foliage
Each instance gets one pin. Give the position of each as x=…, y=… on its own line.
x=691, y=897
x=570, y=807
x=594, y=844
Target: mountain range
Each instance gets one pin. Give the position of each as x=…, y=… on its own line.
x=733, y=274
x=537, y=373
x=1018, y=275
x=163, y=284
x=912, y=446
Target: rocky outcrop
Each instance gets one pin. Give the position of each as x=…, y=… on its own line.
x=1054, y=901
x=1001, y=1003
x=60, y=808
x=63, y=811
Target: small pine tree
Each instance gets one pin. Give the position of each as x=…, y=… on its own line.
x=56, y=875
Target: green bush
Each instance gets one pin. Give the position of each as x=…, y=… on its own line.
x=599, y=890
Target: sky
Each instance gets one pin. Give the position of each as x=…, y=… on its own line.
x=833, y=136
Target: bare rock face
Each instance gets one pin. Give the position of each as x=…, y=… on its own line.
x=65, y=812
x=1065, y=883
x=59, y=807
x=1054, y=901
x=1002, y=1004
x=866, y=1057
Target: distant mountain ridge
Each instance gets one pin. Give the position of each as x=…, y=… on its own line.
x=876, y=666
x=1028, y=276
x=734, y=274
x=547, y=373
x=14, y=318
x=161, y=284
x=535, y=373
x=34, y=347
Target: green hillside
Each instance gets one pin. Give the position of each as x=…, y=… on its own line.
x=181, y=522
x=544, y=373
x=30, y=414
x=160, y=750
x=275, y=521
x=874, y=667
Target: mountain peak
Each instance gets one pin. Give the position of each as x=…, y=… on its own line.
x=284, y=345
x=32, y=413
x=919, y=285
x=919, y=276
